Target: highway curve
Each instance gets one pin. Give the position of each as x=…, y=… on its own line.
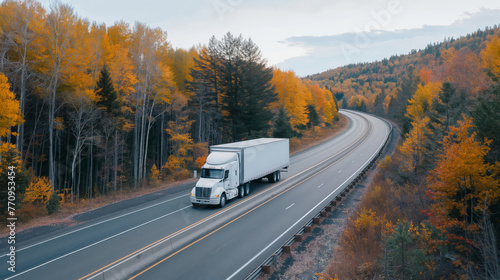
x=208, y=243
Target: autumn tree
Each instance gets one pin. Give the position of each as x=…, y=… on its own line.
x=181, y=62
x=64, y=55
x=21, y=28
x=124, y=78
x=81, y=116
x=152, y=89
x=359, y=246
x=461, y=186
x=10, y=161
x=358, y=102
x=490, y=57
x=179, y=131
x=462, y=68
x=413, y=148
x=10, y=114
x=293, y=96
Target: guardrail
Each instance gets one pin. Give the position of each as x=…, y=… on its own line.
x=266, y=266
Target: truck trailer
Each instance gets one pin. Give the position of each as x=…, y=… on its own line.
x=230, y=168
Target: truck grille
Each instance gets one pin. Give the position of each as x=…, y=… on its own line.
x=203, y=192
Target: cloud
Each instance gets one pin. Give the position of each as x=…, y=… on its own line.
x=327, y=52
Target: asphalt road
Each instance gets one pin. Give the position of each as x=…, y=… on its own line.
x=264, y=221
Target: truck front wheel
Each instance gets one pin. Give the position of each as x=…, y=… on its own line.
x=222, y=202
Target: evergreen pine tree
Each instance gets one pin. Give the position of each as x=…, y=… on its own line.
x=106, y=92
x=282, y=127
x=487, y=120
x=205, y=94
x=336, y=107
x=397, y=107
x=231, y=79
x=344, y=103
x=246, y=88
x=378, y=105
x=313, y=116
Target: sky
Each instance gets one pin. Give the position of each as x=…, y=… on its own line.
x=307, y=37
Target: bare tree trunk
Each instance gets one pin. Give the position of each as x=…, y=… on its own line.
x=136, y=148
x=52, y=108
x=487, y=245
x=79, y=177
x=73, y=162
x=162, y=139
x=91, y=156
x=115, y=160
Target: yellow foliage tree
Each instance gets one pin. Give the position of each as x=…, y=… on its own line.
x=413, y=148
x=38, y=191
x=421, y=101
x=358, y=101
x=490, y=57
x=293, y=95
x=10, y=114
x=155, y=174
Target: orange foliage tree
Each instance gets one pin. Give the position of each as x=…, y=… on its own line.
x=293, y=95
x=38, y=191
x=462, y=187
x=10, y=115
x=462, y=68
x=491, y=57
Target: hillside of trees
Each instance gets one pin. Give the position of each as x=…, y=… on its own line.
x=432, y=210
x=89, y=109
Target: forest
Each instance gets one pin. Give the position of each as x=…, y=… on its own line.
x=432, y=209
x=89, y=109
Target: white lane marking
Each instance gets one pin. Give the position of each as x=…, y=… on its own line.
x=191, y=226
x=275, y=186
x=340, y=171
x=320, y=185
x=290, y=206
x=101, y=222
x=98, y=242
x=309, y=212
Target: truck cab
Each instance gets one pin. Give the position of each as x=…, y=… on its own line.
x=219, y=180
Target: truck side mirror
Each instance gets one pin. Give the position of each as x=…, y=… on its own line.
x=226, y=174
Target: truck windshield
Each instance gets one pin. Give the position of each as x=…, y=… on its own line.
x=212, y=173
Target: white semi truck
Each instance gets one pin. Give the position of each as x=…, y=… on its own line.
x=230, y=168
